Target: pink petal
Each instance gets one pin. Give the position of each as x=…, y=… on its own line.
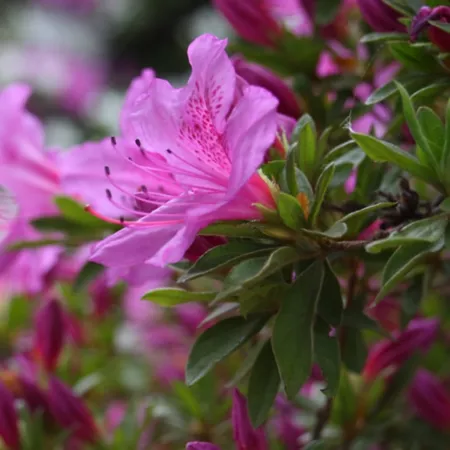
x=251, y=130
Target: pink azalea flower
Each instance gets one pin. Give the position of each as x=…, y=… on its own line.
x=28, y=172
x=430, y=399
x=204, y=144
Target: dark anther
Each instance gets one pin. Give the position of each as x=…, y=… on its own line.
x=138, y=142
x=122, y=220
x=169, y=151
x=113, y=140
x=107, y=171
x=130, y=158
x=108, y=194
x=144, y=188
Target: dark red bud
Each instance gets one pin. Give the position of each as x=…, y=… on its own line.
x=9, y=429
x=50, y=333
x=70, y=412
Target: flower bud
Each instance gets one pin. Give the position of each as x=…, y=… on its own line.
x=422, y=22
x=251, y=19
x=259, y=76
x=390, y=354
x=33, y=395
x=380, y=17
x=49, y=333
x=430, y=399
x=244, y=435
x=70, y=412
x=201, y=446
x=9, y=429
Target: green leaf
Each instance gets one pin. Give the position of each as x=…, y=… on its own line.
x=57, y=223
x=306, y=136
x=335, y=232
x=345, y=403
x=412, y=298
x=239, y=229
x=415, y=57
x=321, y=189
x=412, y=81
x=315, y=445
x=169, y=297
x=381, y=151
x=292, y=337
x=383, y=37
x=430, y=92
x=402, y=262
x=354, y=353
x=327, y=355
x=263, y=386
x=445, y=162
x=423, y=231
x=433, y=131
x=224, y=256
x=354, y=219
x=74, y=212
x=88, y=273
x=219, y=341
x=339, y=151
x=331, y=305
x=22, y=245
x=290, y=211
x=355, y=318
x=442, y=25
x=326, y=11
x=415, y=128
x=273, y=169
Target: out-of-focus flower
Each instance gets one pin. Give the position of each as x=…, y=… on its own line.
x=33, y=395
x=70, y=412
x=252, y=20
x=388, y=355
x=28, y=172
x=380, y=16
x=387, y=313
x=421, y=22
x=50, y=333
x=244, y=435
x=289, y=432
x=257, y=75
x=430, y=399
x=201, y=446
x=9, y=429
x=204, y=144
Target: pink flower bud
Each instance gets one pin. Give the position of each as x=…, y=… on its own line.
x=259, y=76
x=430, y=399
x=201, y=446
x=49, y=333
x=422, y=22
x=34, y=396
x=390, y=354
x=9, y=430
x=251, y=19
x=244, y=435
x=379, y=16
x=70, y=412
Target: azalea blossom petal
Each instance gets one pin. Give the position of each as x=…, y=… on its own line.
x=250, y=132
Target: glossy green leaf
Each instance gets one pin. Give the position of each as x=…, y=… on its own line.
x=354, y=219
x=415, y=58
x=445, y=162
x=321, y=189
x=292, y=337
x=327, y=355
x=412, y=81
x=89, y=272
x=355, y=318
x=290, y=211
x=73, y=211
x=354, y=352
x=169, y=297
x=219, y=341
x=423, y=231
x=345, y=403
x=331, y=305
x=263, y=386
x=306, y=136
x=416, y=129
x=383, y=37
x=402, y=262
x=224, y=256
x=381, y=151
x=433, y=131
x=336, y=231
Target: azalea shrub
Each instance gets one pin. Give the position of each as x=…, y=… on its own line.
x=255, y=258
